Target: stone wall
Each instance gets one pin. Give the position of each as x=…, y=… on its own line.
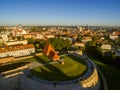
x=18, y=81
x=10, y=82
x=91, y=81
x=31, y=84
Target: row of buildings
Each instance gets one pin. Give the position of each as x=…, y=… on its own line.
x=14, y=46
x=17, y=49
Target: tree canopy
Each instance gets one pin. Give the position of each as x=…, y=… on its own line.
x=60, y=43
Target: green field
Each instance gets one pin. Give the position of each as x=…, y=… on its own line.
x=111, y=73
x=73, y=67
x=39, y=59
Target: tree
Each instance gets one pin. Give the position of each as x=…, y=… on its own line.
x=91, y=43
x=93, y=50
x=94, y=38
x=22, y=38
x=37, y=47
x=58, y=47
x=79, y=39
x=117, y=41
x=60, y=43
x=1, y=44
x=30, y=40
x=13, y=37
x=42, y=44
x=18, y=37
x=67, y=43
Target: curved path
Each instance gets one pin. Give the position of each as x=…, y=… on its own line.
x=104, y=80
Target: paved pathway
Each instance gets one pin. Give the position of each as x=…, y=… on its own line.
x=104, y=80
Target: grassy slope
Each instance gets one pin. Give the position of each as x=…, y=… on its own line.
x=72, y=68
x=111, y=73
x=16, y=64
x=40, y=59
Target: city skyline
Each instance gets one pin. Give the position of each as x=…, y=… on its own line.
x=60, y=12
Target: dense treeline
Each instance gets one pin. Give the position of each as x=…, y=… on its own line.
x=57, y=43
x=95, y=51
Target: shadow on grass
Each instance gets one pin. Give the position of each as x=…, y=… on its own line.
x=42, y=59
x=12, y=66
x=51, y=72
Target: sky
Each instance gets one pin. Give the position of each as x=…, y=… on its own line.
x=60, y=12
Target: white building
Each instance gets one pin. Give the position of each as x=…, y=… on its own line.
x=81, y=44
x=39, y=36
x=18, y=31
x=106, y=47
x=80, y=28
x=113, y=37
x=86, y=39
x=49, y=36
x=17, y=51
x=23, y=42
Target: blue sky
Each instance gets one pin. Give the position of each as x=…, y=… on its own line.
x=60, y=12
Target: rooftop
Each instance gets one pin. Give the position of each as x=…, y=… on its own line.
x=15, y=48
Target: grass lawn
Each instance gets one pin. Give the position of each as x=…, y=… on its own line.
x=111, y=73
x=72, y=68
x=40, y=59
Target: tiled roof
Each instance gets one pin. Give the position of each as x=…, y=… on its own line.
x=50, y=52
x=15, y=48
